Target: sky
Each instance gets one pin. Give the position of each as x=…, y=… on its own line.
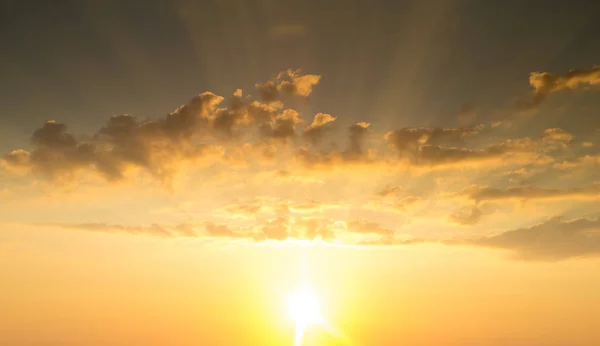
x=171, y=171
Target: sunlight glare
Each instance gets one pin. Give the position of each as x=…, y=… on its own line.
x=304, y=307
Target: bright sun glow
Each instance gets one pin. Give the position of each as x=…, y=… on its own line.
x=304, y=307
x=304, y=311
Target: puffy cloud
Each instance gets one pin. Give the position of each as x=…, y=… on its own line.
x=408, y=141
x=157, y=146
x=190, y=132
x=551, y=240
x=298, y=84
x=353, y=155
x=436, y=147
x=487, y=193
x=357, y=133
x=288, y=83
x=247, y=132
x=316, y=130
x=282, y=126
x=544, y=84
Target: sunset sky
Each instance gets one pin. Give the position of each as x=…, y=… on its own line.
x=171, y=172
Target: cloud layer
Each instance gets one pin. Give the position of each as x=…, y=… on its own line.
x=450, y=176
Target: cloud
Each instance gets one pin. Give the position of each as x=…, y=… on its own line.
x=239, y=130
x=262, y=206
x=357, y=134
x=214, y=230
x=282, y=126
x=556, y=139
x=163, y=231
x=312, y=207
x=397, y=205
x=390, y=191
x=487, y=193
x=551, y=240
x=287, y=84
x=544, y=84
x=364, y=226
x=316, y=130
x=412, y=148
x=408, y=141
x=467, y=219
x=157, y=146
x=587, y=161
x=193, y=131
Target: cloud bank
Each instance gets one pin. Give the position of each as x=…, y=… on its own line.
x=268, y=136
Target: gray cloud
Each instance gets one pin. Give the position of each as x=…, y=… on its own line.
x=205, y=130
x=544, y=84
x=411, y=147
x=190, y=132
x=316, y=130
x=287, y=84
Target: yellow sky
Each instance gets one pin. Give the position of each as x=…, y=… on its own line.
x=65, y=287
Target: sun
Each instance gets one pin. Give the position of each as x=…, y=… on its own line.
x=304, y=307
x=304, y=310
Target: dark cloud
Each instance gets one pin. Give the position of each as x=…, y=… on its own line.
x=190, y=132
x=286, y=84
x=316, y=130
x=544, y=84
x=244, y=130
x=357, y=135
x=282, y=126
x=408, y=141
x=411, y=147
